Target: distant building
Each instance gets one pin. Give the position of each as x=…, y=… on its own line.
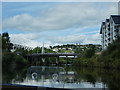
x=72, y=48
x=110, y=30
x=55, y=49
x=87, y=46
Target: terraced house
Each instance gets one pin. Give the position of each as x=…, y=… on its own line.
x=110, y=30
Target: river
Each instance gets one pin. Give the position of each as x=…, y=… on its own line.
x=64, y=77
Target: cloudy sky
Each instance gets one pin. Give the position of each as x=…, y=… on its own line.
x=32, y=23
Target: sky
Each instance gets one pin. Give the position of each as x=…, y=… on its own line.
x=55, y=23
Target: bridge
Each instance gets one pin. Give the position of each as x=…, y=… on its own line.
x=41, y=56
x=53, y=54
x=38, y=57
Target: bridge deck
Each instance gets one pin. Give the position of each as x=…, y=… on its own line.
x=53, y=54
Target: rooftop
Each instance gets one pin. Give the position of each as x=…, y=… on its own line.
x=116, y=19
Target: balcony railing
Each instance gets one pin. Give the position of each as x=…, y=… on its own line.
x=108, y=39
x=116, y=30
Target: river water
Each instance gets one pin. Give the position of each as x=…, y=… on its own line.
x=64, y=77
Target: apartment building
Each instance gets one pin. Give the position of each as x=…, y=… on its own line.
x=110, y=30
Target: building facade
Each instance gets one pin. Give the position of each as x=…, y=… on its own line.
x=110, y=30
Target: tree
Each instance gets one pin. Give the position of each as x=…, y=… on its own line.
x=90, y=51
x=36, y=50
x=51, y=47
x=111, y=56
x=11, y=60
x=6, y=45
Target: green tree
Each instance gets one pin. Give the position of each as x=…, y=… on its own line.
x=6, y=45
x=90, y=51
x=111, y=56
x=10, y=60
x=36, y=50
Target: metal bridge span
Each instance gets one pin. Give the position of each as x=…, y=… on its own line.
x=40, y=56
x=52, y=55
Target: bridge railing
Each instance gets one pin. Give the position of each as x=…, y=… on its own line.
x=54, y=54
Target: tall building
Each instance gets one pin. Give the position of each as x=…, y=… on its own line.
x=110, y=30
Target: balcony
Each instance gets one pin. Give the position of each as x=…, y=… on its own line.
x=109, y=44
x=105, y=40
x=108, y=34
x=108, y=39
x=116, y=30
x=116, y=35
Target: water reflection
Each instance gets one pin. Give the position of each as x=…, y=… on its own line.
x=65, y=77
x=45, y=76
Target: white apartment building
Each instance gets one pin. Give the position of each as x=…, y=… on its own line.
x=110, y=30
